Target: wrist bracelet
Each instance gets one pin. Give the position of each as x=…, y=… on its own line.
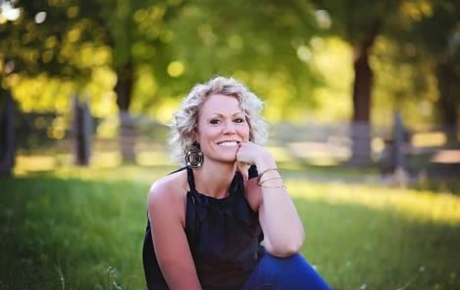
x=259, y=177
x=276, y=186
x=262, y=184
x=268, y=179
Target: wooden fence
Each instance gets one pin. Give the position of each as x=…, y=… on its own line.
x=95, y=141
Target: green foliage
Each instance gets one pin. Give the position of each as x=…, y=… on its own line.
x=402, y=83
x=135, y=30
x=78, y=39
x=258, y=42
x=354, y=20
x=430, y=26
x=45, y=38
x=427, y=36
x=84, y=47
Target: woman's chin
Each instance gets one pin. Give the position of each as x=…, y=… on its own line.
x=229, y=160
x=226, y=159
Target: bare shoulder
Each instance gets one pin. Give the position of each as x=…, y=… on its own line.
x=168, y=187
x=169, y=193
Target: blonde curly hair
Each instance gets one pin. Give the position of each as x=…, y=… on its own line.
x=185, y=119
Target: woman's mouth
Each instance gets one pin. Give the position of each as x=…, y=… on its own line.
x=228, y=143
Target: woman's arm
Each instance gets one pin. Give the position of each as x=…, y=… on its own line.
x=282, y=227
x=166, y=214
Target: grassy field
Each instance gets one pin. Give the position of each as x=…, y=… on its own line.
x=83, y=229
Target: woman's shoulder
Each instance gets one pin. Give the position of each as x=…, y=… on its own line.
x=169, y=189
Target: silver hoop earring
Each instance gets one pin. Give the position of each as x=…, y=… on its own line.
x=194, y=157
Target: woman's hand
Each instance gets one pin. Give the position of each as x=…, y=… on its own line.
x=251, y=153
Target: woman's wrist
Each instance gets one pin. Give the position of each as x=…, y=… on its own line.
x=269, y=175
x=261, y=179
x=265, y=161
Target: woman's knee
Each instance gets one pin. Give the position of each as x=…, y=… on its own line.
x=294, y=269
x=278, y=266
x=288, y=261
x=293, y=272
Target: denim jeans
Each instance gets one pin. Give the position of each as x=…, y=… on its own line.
x=293, y=273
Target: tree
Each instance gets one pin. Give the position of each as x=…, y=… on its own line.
x=137, y=33
x=38, y=40
x=359, y=23
x=49, y=35
x=45, y=37
x=423, y=36
x=258, y=42
x=435, y=31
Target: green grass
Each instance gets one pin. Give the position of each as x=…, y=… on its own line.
x=381, y=238
x=71, y=234
x=83, y=229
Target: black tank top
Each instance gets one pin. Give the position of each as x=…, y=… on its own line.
x=224, y=236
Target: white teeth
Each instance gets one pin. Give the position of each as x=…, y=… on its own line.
x=228, y=143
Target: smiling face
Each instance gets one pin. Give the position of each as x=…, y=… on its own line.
x=221, y=127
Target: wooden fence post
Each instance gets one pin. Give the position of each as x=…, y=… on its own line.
x=7, y=134
x=399, y=158
x=82, y=129
x=127, y=138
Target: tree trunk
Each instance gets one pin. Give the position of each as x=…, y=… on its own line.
x=82, y=131
x=448, y=86
x=7, y=134
x=360, y=130
x=127, y=134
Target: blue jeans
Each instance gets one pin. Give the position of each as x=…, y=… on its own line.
x=293, y=273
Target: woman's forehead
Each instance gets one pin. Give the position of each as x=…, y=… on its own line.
x=221, y=104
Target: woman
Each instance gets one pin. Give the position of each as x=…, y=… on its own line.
x=207, y=220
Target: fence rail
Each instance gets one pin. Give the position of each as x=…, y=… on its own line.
x=84, y=142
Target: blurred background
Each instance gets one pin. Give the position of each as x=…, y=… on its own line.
x=362, y=99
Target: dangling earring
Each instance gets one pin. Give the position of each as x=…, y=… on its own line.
x=194, y=157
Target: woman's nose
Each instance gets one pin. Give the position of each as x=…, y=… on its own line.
x=229, y=128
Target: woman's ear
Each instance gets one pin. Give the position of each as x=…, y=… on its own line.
x=194, y=135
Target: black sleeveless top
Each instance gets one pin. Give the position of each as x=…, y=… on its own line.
x=224, y=236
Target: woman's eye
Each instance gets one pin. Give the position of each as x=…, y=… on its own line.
x=239, y=120
x=214, y=121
